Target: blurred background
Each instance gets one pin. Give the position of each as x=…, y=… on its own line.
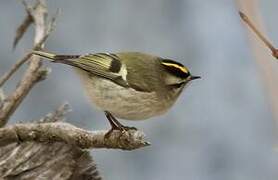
x=221, y=128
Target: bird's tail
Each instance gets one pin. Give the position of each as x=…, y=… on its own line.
x=54, y=57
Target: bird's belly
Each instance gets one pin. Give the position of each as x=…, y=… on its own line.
x=124, y=103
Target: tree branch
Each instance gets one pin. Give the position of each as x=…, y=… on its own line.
x=259, y=34
x=34, y=73
x=266, y=66
x=51, y=160
x=20, y=62
x=69, y=134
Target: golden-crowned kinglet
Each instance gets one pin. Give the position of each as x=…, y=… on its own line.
x=128, y=85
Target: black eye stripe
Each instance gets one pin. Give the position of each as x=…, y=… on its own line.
x=177, y=72
x=175, y=68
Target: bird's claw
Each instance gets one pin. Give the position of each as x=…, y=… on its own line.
x=122, y=129
x=127, y=128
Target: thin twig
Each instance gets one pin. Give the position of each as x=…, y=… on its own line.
x=19, y=63
x=22, y=29
x=28, y=20
x=259, y=34
x=2, y=97
x=57, y=115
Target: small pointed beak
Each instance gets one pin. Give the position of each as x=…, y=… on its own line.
x=194, y=77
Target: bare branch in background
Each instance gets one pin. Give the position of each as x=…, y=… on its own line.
x=28, y=20
x=57, y=115
x=22, y=29
x=20, y=32
x=2, y=97
x=265, y=64
x=20, y=62
x=259, y=34
x=34, y=73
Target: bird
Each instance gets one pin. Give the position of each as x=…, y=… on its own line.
x=127, y=85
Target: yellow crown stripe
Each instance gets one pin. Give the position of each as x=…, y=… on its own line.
x=183, y=69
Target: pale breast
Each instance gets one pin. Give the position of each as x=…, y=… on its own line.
x=125, y=103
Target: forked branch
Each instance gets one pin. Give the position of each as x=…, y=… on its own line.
x=35, y=72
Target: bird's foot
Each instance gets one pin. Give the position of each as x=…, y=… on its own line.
x=122, y=129
x=126, y=128
x=116, y=125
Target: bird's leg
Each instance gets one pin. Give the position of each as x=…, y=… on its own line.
x=115, y=124
x=111, y=120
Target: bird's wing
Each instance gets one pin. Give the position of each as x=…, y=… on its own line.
x=102, y=64
x=141, y=76
x=143, y=71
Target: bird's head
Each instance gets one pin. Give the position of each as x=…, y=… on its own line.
x=177, y=75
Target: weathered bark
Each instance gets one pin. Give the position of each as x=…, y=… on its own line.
x=32, y=160
x=69, y=134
